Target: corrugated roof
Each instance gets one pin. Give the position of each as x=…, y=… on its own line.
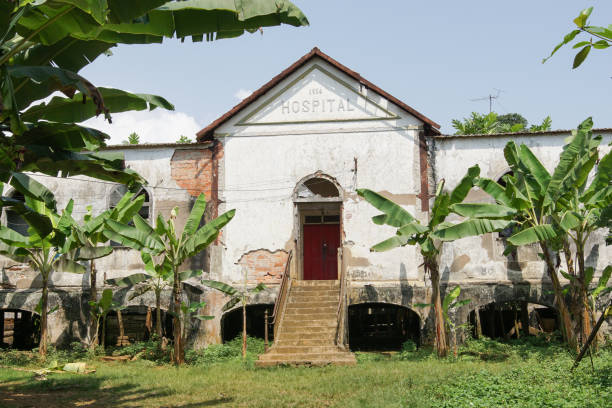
x=207, y=132
x=198, y=145
x=542, y=133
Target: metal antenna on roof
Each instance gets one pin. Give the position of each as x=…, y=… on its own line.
x=490, y=97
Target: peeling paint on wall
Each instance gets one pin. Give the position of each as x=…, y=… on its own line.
x=263, y=265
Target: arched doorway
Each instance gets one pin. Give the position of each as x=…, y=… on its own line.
x=19, y=329
x=318, y=202
x=135, y=325
x=231, y=322
x=506, y=320
x=382, y=326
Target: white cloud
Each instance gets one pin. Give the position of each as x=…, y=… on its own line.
x=242, y=93
x=158, y=126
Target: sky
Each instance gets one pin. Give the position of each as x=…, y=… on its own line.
x=436, y=56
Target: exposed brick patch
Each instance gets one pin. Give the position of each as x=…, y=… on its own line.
x=264, y=266
x=193, y=170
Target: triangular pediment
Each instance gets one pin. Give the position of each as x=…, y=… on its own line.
x=316, y=96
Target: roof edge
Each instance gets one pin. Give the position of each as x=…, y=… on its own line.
x=540, y=133
x=207, y=132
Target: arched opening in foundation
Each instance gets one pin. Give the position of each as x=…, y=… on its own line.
x=507, y=320
x=382, y=326
x=231, y=322
x=19, y=329
x=138, y=325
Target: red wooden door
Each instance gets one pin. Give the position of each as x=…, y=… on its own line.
x=321, y=242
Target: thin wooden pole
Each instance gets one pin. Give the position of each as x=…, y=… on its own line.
x=266, y=331
x=478, y=324
x=591, y=336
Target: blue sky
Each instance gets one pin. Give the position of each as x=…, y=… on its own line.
x=434, y=55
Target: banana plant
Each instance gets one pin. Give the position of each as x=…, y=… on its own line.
x=158, y=278
x=189, y=311
x=552, y=210
x=430, y=237
x=46, y=249
x=241, y=296
x=449, y=304
x=100, y=309
x=44, y=45
x=89, y=237
x=176, y=247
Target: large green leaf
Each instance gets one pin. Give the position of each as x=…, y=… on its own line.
x=412, y=229
x=465, y=184
x=220, y=286
x=129, y=281
x=230, y=303
x=601, y=181
x=52, y=79
x=535, y=167
x=395, y=215
x=191, y=273
x=195, y=217
x=495, y=190
x=469, y=228
x=390, y=243
x=139, y=291
x=61, y=136
x=89, y=252
x=13, y=238
x=39, y=222
x=205, y=235
x=450, y=297
x=67, y=265
x=29, y=187
x=538, y=233
x=135, y=238
x=603, y=281
x=17, y=254
x=482, y=210
x=74, y=110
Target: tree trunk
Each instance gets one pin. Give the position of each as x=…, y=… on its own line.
x=441, y=346
x=93, y=297
x=244, y=334
x=103, y=342
x=42, y=349
x=120, y=321
x=565, y=316
x=178, y=340
x=158, y=326
x=525, y=318
x=583, y=298
x=478, y=324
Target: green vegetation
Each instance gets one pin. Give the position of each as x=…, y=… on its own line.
x=431, y=236
x=601, y=35
x=133, y=139
x=173, y=247
x=485, y=374
x=491, y=123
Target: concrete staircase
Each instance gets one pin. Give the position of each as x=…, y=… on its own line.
x=307, y=331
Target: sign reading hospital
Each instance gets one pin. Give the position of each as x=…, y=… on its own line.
x=316, y=96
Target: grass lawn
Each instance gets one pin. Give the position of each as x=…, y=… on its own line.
x=522, y=377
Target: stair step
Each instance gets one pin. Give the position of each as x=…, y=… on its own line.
x=307, y=304
x=317, y=283
x=313, y=290
x=301, y=341
x=338, y=355
x=272, y=363
x=309, y=323
x=296, y=333
x=296, y=311
x=325, y=349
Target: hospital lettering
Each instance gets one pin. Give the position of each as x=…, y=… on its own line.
x=317, y=106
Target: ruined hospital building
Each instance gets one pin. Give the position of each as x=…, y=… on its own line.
x=289, y=159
